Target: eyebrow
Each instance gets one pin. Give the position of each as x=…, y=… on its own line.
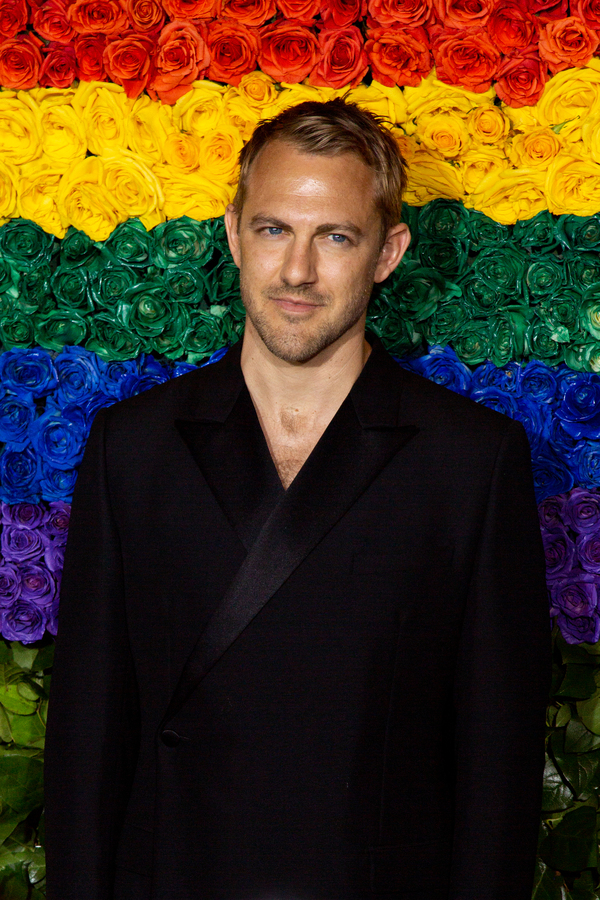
x=326, y=228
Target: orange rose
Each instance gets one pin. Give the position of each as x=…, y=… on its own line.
x=566, y=43
x=303, y=11
x=194, y=10
x=13, y=17
x=338, y=13
x=343, y=61
x=402, y=12
x=466, y=58
x=463, y=14
x=289, y=51
x=249, y=12
x=512, y=28
x=89, y=51
x=520, y=81
x=588, y=11
x=98, y=16
x=51, y=22
x=145, y=16
x=233, y=50
x=398, y=55
x=548, y=9
x=59, y=68
x=181, y=56
x=128, y=62
x=20, y=62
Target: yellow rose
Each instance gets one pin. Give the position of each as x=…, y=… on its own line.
x=432, y=97
x=242, y=117
x=535, y=148
x=257, y=91
x=38, y=190
x=293, y=94
x=219, y=151
x=569, y=98
x=445, y=132
x=147, y=127
x=52, y=95
x=573, y=186
x=134, y=189
x=20, y=128
x=64, y=134
x=182, y=151
x=192, y=194
x=510, y=195
x=522, y=118
x=590, y=134
x=9, y=178
x=103, y=110
x=407, y=145
x=478, y=162
x=84, y=202
x=430, y=177
x=389, y=103
x=201, y=109
x=488, y=125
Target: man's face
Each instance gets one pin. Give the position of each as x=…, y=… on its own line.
x=308, y=245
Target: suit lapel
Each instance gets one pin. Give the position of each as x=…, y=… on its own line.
x=362, y=438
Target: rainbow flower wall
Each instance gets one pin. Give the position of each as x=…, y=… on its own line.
x=120, y=125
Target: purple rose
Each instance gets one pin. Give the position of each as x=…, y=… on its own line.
x=582, y=511
x=588, y=551
x=31, y=515
x=52, y=620
x=559, y=551
x=580, y=628
x=24, y=621
x=10, y=584
x=54, y=556
x=550, y=511
x=21, y=544
x=57, y=524
x=38, y=584
x=575, y=595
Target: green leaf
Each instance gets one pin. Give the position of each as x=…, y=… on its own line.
x=547, y=884
x=557, y=794
x=28, y=730
x=589, y=712
x=4, y=651
x=37, y=866
x=578, y=739
x=594, y=649
x=14, y=881
x=21, y=779
x=30, y=689
x=5, y=732
x=571, y=845
x=583, y=887
x=575, y=653
x=580, y=770
x=8, y=822
x=45, y=657
x=11, y=699
x=23, y=656
x=578, y=682
x=563, y=715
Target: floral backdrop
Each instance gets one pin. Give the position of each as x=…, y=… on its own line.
x=120, y=126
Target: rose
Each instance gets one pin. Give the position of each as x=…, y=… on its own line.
x=586, y=463
x=569, y=98
x=28, y=515
x=485, y=232
x=573, y=185
x=58, y=327
x=479, y=162
x=560, y=314
x=16, y=329
x=25, y=245
x=134, y=189
x=559, y=552
x=445, y=133
x=28, y=372
x=83, y=201
x=182, y=151
x=343, y=60
x=169, y=342
x=509, y=195
x=505, y=379
x=443, y=366
x=78, y=374
x=146, y=16
x=194, y=10
x=149, y=374
x=98, y=17
x=76, y=249
x=64, y=138
x=566, y=43
x=233, y=50
x=54, y=558
x=24, y=622
x=545, y=277
x=180, y=241
x=550, y=475
x=589, y=312
x=50, y=21
x=467, y=58
x=110, y=339
x=249, y=12
x=579, y=233
x=588, y=11
x=494, y=398
x=16, y=415
x=579, y=410
x=583, y=268
x=19, y=475
x=108, y=284
x=59, y=68
x=550, y=512
x=20, y=61
x=203, y=337
x=339, y=13
x=458, y=14
x=579, y=629
x=575, y=595
x=582, y=511
x=181, y=57
x=10, y=584
x=512, y=28
x=57, y=524
x=57, y=484
x=255, y=90
x=13, y=17
x=37, y=584
x=520, y=80
x=20, y=544
x=398, y=55
x=537, y=147
x=448, y=255
x=588, y=552
x=418, y=291
x=503, y=268
x=89, y=52
x=130, y=244
x=113, y=373
x=58, y=440
x=488, y=124
x=186, y=284
x=548, y=9
x=128, y=62
x=443, y=219
x=103, y=111
x=539, y=380
x=70, y=287
x=303, y=11
x=20, y=128
x=409, y=13
x=289, y=51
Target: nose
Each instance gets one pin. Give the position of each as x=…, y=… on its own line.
x=299, y=265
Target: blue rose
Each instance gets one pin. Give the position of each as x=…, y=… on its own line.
x=84, y=412
x=57, y=484
x=566, y=377
x=16, y=415
x=23, y=621
x=112, y=375
x=443, y=366
x=25, y=372
x=536, y=418
x=539, y=380
x=487, y=375
x=150, y=374
x=497, y=399
x=579, y=410
x=586, y=464
x=216, y=356
x=563, y=443
x=183, y=368
x=78, y=374
x=550, y=475
x=19, y=475
x=58, y=440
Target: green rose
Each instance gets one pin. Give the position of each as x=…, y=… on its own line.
x=503, y=269
x=108, y=285
x=481, y=297
x=537, y=233
x=169, y=342
x=70, y=287
x=25, y=245
x=473, y=344
x=410, y=216
x=223, y=281
x=561, y=314
x=181, y=240
x=16, y=329
x=60, y=327
x=444, y=220
x=130, y=244
x=416, y=291
x=579, y=232
x=36, y=289
x=449, y=256
x=484, y=233
x=187, y=284
x=9, y=279
x=583, y=269
x=545, y=276
x=146, y=308
x=583, y=357
x=589, y=313
x=215, y=229
x=507, y=337
x=204, y=335
x=77, y=249
x=446, y=325
x=540, y=344
x=112, y=340
x=398, y=335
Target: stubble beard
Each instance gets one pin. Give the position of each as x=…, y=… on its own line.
x=296, y=342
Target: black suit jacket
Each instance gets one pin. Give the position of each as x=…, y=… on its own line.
x=333, y=692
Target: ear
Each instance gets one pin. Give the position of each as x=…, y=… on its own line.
x=233, y=235
x=394, y=248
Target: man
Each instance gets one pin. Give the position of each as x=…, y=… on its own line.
x=303, y=638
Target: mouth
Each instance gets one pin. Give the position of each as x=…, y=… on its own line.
x=295, y=305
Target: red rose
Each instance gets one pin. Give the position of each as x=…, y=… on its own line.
x=128, y=62
x=233, y=50
x=181, y=56
x=51, y=22
x=409, y=13
x=398, y=55
x=303, y=11
x=548, y=9
x=467, y=58
x=511, y=28
x=249, y=12
x=520, y=81
x=566, y=43
x=13, y=17
x=194, y=10
x=338, y=13
x=343, y=61
x=59, y=68
x=20, y=62
x=145, y=16
x=98, y=17
x=463, y=14
x=588, y=11
x=89, y=51
x=289, y=51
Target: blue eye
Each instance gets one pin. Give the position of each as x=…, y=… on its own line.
x=339, y=238
x=274, y=229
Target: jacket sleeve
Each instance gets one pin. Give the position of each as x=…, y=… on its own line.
x=93, y=720
x=501, y=689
